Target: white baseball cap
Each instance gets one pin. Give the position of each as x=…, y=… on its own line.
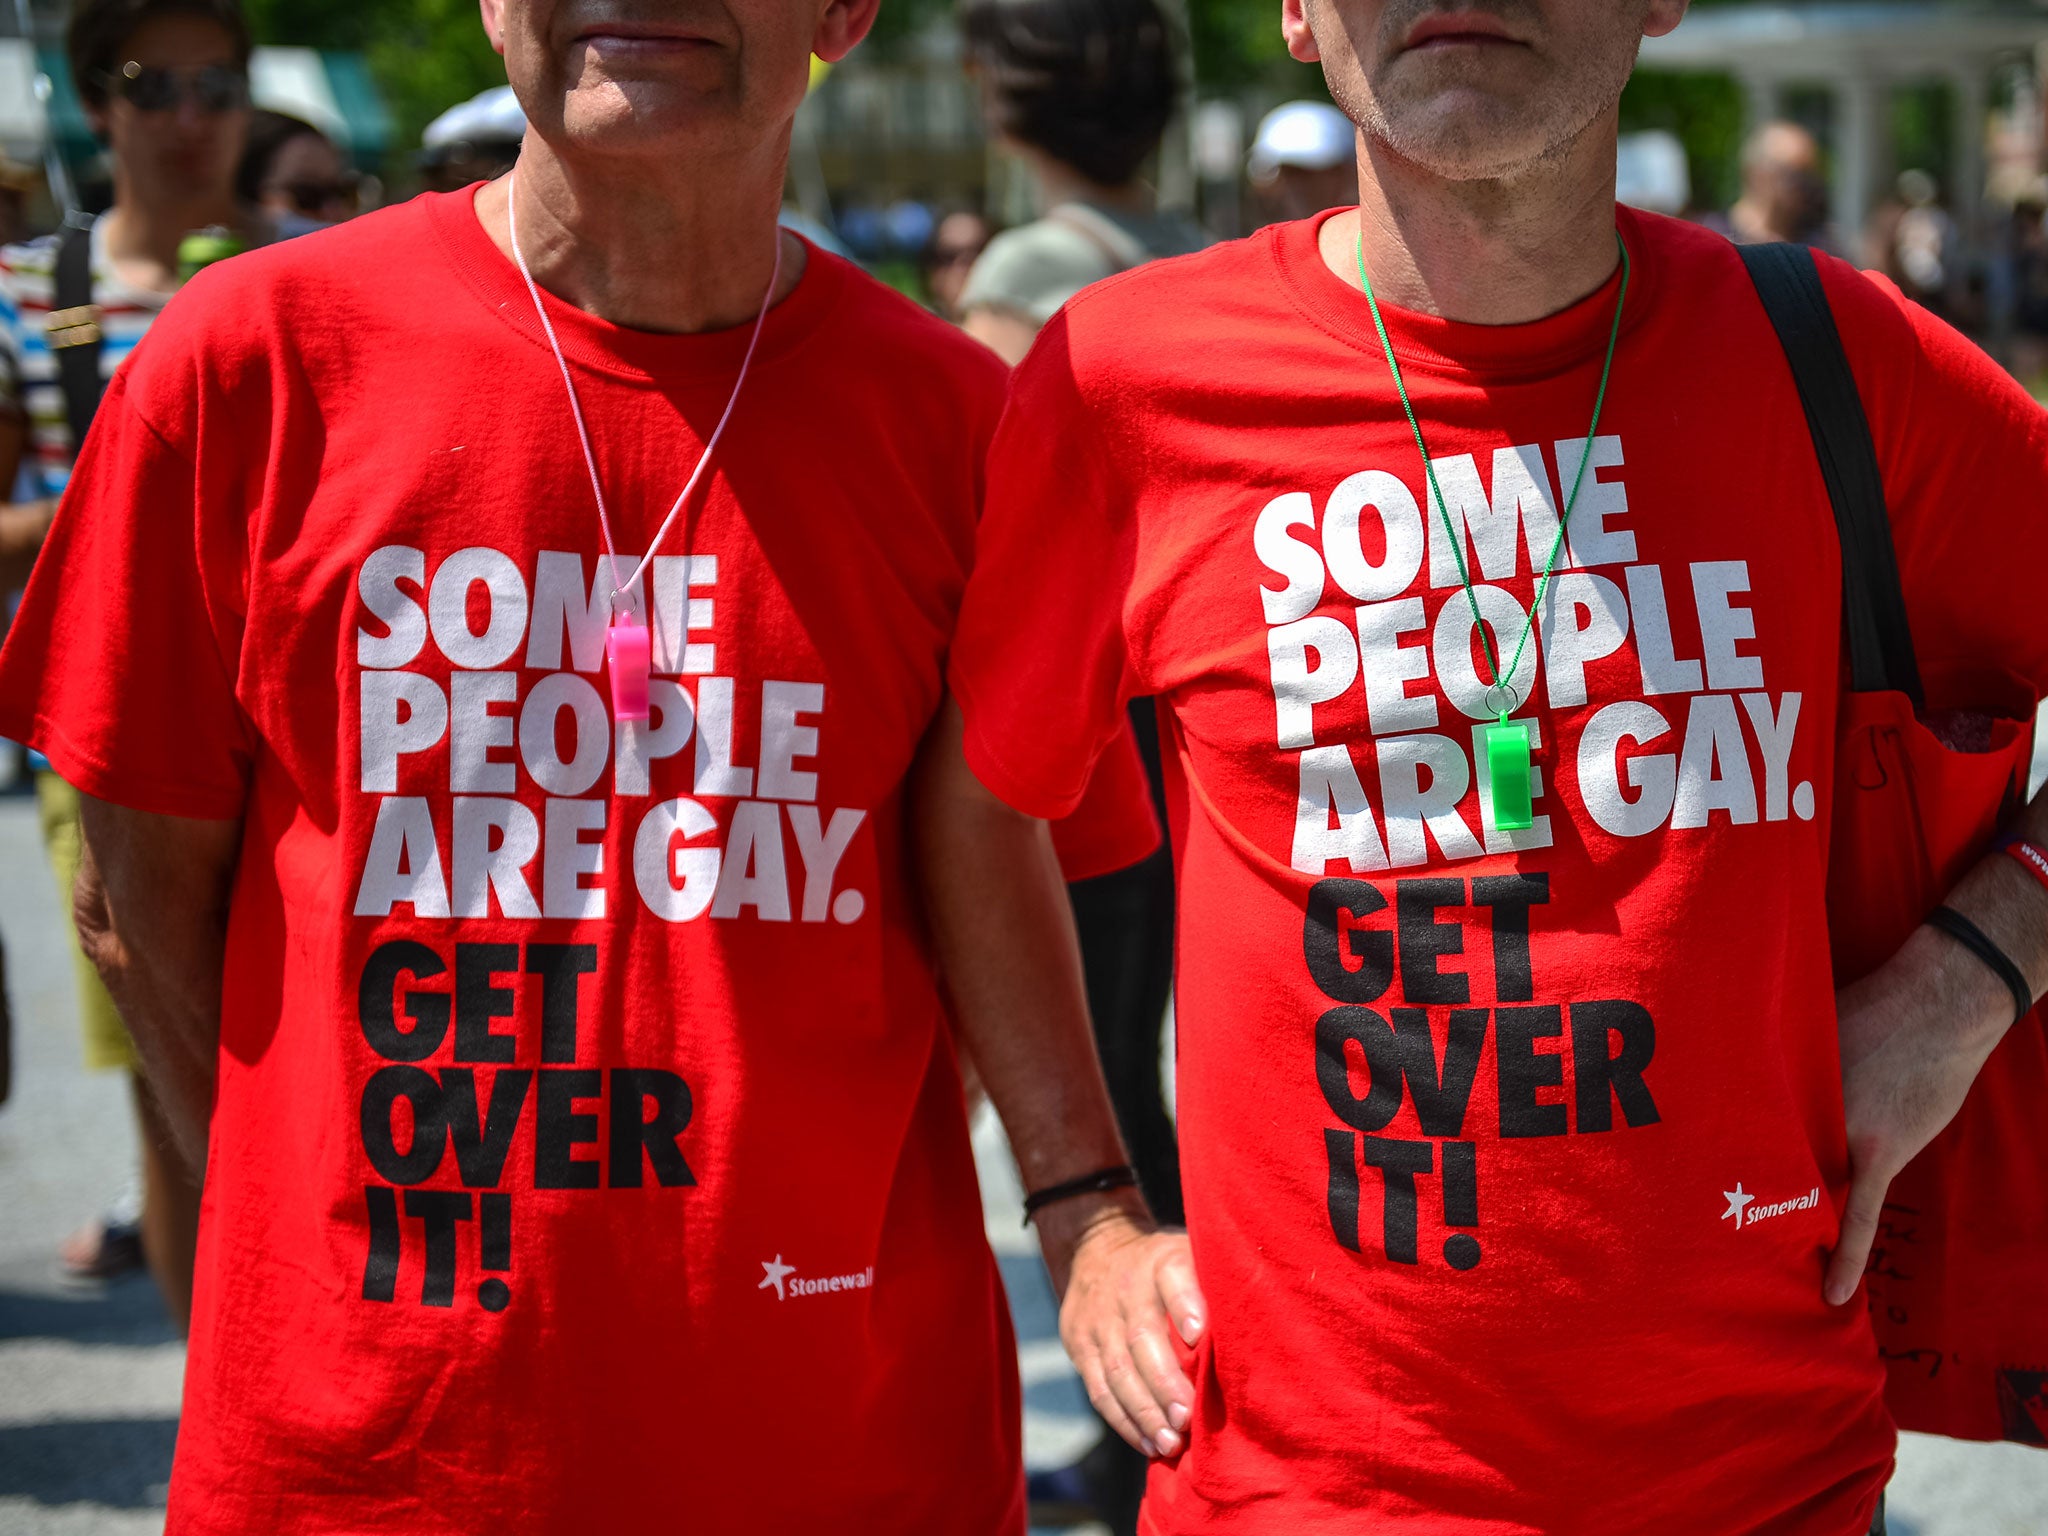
x=1312, y=135
x=491, y=117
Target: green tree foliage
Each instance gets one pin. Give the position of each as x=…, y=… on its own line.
x=1237, y=44
x=1705, y=112
x=900, y=20
x=426, y=55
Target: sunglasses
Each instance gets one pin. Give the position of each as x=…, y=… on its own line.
x=212, y=88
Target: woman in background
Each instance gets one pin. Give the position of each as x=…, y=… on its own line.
x=296, y=175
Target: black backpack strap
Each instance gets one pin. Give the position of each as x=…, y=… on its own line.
x=73, y=331
x=1880, y=640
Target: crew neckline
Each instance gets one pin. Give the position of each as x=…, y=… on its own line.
x=653, y=356
x=1531, y=349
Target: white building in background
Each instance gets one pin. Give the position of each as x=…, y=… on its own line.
x=1860, y=52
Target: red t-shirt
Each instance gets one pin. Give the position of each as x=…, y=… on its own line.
x=589, y=1152
x=1511, y=1158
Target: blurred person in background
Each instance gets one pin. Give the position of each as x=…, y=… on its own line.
x=1303, y=159
x=1784, y=196
x=1081, y=91
x=165, y=86
x=1918, y=246
x=18, y=183
x=294, y=173
x=2025, y=263
x=955, y=245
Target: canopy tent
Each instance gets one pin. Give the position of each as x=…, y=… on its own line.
x=1859, y=51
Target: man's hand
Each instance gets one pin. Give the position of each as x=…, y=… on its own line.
x=1914, y=1034
x=1916, y=1030
x=1004, y=934
x=1129, y=1291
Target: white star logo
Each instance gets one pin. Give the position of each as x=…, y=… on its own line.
x=776, y=1273
x=1737, y=1199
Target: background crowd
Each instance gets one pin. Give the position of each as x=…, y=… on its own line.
x=989, y=175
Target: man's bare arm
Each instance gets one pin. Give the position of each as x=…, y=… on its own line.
x=1005, y=938
x=152, y=911
x=1916, y=1031
x=22, y=523
x=1003, y=331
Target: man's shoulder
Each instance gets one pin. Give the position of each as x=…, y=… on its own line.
x=1167, y=317
x=237, y=323
x=886, y=333
x=1699, y=264
x=1913, y=369
x=365, y=255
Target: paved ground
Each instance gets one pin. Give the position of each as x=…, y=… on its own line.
x=89, y=1378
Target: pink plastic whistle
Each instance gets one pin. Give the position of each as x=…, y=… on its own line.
x=626, y=648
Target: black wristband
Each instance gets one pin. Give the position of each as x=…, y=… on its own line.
x=1973, y=938
x=1122, y=1176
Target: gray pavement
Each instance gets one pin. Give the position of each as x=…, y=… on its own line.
x=89, y=1377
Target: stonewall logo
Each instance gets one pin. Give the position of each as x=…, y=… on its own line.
x=787, y=1284
x=1746, y=1212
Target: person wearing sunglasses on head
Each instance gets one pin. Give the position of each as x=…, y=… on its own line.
x=165, y=86
x=295, y=175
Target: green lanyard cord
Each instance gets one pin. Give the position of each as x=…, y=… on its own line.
x=1500, y=684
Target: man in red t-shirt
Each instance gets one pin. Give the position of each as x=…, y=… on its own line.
x=584, y=1144
x=1529, y=1179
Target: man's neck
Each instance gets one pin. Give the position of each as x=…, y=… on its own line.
x=143, y=232
x=1484, y=252
x=676, y=249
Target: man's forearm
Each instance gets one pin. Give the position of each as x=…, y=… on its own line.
x=1005, y=939
x=151, y=905
x=1915, y=1033
x=2009, y=904
x=2010, y=907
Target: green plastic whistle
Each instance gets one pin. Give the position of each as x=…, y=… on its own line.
x=1507, y=773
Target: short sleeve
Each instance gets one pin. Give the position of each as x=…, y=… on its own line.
x=1039, y=663
x=1115, y=825
x=1964, y=453
x=114, y=668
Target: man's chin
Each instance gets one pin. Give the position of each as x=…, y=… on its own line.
x=628, y=115
x=1469, y=135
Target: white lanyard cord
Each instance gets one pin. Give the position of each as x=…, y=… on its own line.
x=576, y=404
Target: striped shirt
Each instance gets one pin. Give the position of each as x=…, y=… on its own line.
x=28, y=369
